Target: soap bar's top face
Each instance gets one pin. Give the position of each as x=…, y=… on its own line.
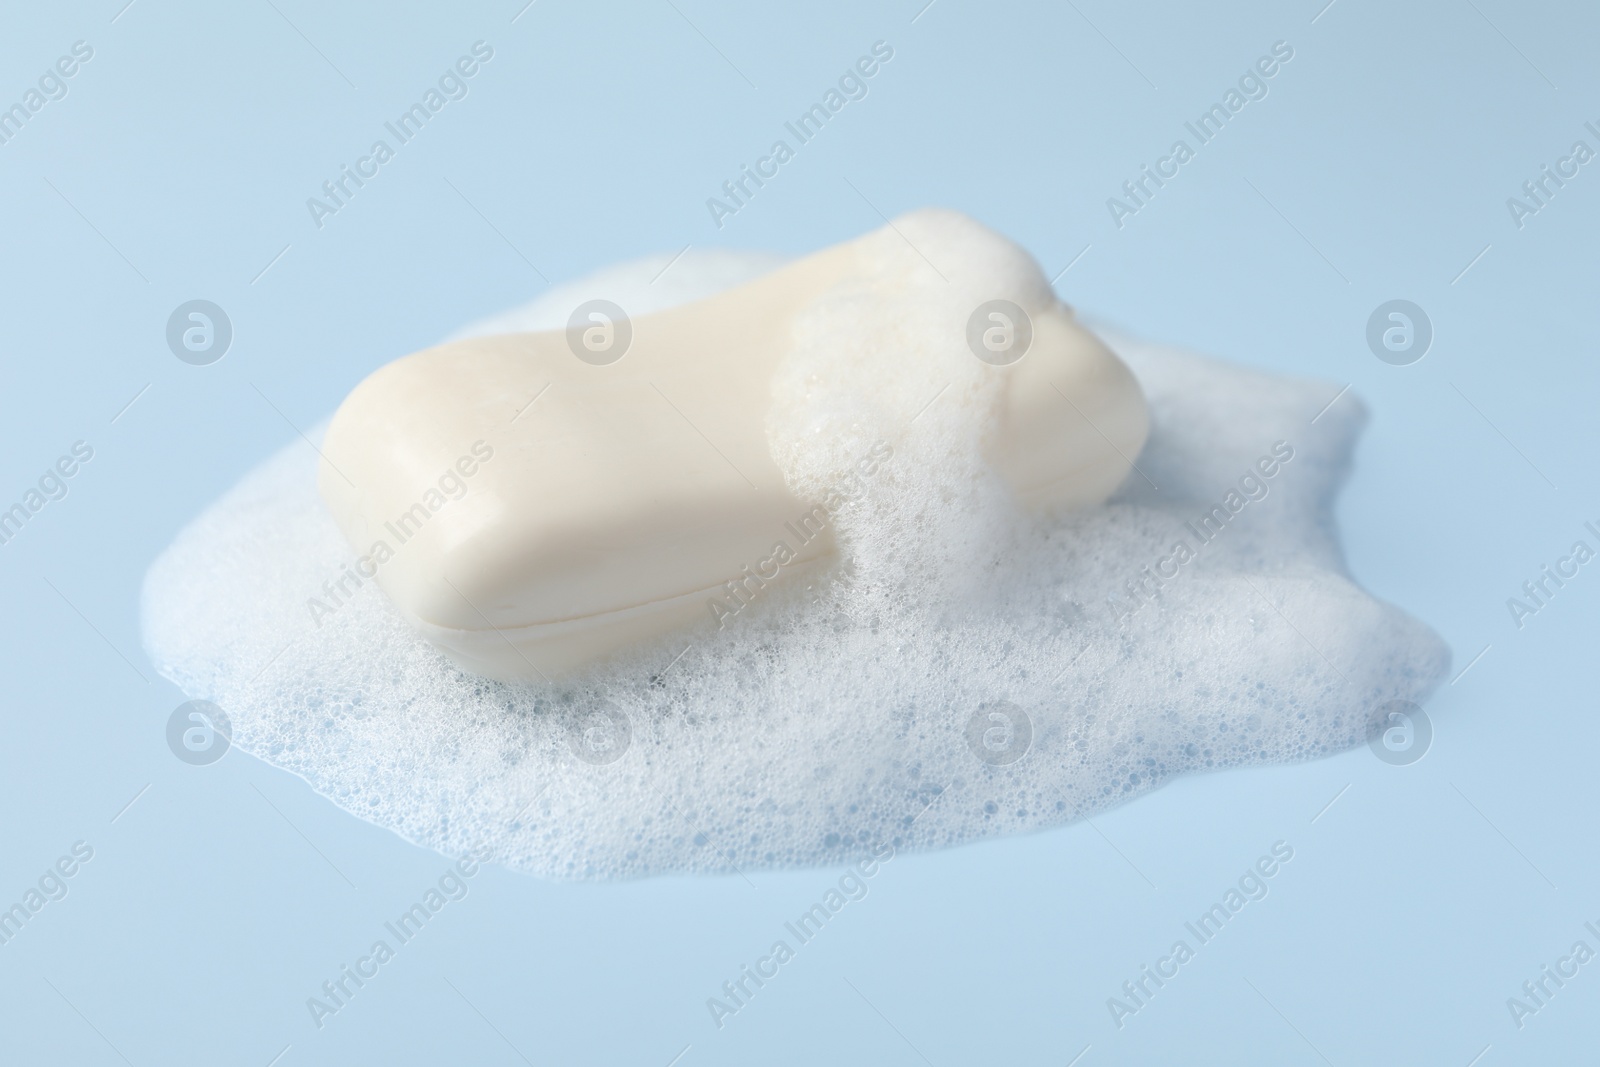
x=518, y=497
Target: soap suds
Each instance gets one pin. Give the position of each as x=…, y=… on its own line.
x=887, y=700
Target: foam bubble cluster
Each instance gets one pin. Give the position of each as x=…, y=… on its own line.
x=967, y=670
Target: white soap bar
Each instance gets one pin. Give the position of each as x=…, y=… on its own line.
x=536, y=502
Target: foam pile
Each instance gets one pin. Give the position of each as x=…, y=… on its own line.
x=967, y=671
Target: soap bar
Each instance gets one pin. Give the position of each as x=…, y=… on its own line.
x=533, y=503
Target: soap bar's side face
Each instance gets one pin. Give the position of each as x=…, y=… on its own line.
x=1073, y=418
x=598, y=497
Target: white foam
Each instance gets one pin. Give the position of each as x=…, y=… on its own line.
x=836, y=713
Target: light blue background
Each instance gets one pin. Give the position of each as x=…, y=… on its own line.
x=178, y=167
